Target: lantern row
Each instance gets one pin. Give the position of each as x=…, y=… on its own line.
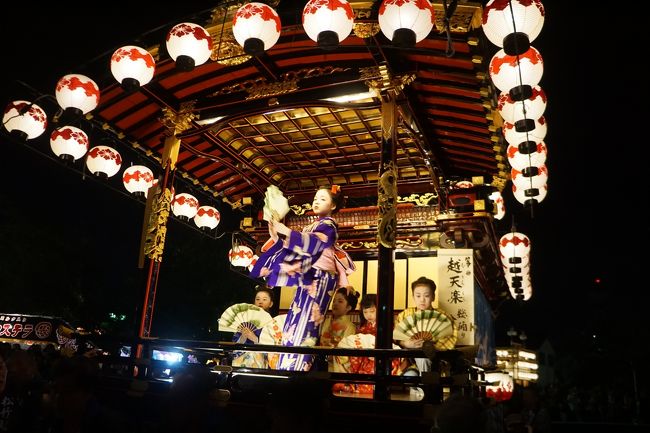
x=514, y=249
x=516, y=70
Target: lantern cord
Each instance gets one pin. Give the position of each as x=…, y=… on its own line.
x=449, y=12
x=523, y=105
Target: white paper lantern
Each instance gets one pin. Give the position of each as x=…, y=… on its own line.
x=513, y=247
x=240, y=256
x=253, y=262
x=526, y=195
x=207, y=217
x=185, y=205
x=530, y=177
x=497, y=198
x=513, y=24
x=504, y=69
x=502, y=386
x=189, y=45
x=69, y=143
x=515, y=135
x=132, y=66
x=520, y=161
x=512, y=110
x=256, y=27
x=103, y=161
x=406, y=22
x=137, y=179
x=77, y=93
x=24, y=119
x=327, y=22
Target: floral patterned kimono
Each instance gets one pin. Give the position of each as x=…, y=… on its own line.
x=248, y=359
x=310, y=261
x=362, y=365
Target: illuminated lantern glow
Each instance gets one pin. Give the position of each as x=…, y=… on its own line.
x=189, y=45
x=137, y=179
x=103, y=161
x=406, y=22
x=504, y=69
x=512, y=110
x=256, y=27
x=520, y=157
x=463, y=184
x=514, y=247
x=185, y=206
x=530, y=130
x=24, y=120
x=513, y=25
x=132, y=67
x=77, y=94
x=327, y=22
x=499, y=204
x=240, y=256
x=502, y=386
x=69, y=143
x=527, y=196
x=207, y=217
x=530, y=177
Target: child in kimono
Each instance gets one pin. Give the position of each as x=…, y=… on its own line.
x=309, y=260
x=264, y=300
x=339, y=325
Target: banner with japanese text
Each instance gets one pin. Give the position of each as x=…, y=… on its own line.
x=456, y=291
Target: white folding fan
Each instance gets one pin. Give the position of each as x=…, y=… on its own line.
x=276, y=205
x=433, y=325
x=272, y=332
x=239, y=316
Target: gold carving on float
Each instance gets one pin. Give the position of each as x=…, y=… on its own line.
x=154, y=243
x=265, y=89
x=499, y=182
x=418, y=199
x=464, y=19
x=300, y=209
x=386, y=201
x=365, y=30
x=228, y=52
x=175, y=124
x=260, y=88
x=379, y=78
x=369, y=245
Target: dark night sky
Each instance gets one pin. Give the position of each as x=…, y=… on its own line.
x=585, y=229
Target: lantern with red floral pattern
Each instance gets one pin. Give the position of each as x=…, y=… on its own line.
x=256, y=27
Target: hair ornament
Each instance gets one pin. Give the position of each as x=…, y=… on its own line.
x=335, y=189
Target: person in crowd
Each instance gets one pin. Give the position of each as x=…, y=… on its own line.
x=339, y=325
x=460, y=414
x=424, y=293
x=309, y=260
x=264, y=300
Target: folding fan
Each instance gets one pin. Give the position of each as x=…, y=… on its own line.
x=240, y=316
x=433, y=325
x=358, y=341
x=276, y=205
x=272, y=331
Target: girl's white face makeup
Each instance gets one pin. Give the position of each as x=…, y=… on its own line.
x=263, y=300
x=370, y=314
x=340, y=306
x=322, y=204
x=423, y=297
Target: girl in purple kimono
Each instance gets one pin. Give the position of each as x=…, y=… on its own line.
x=311, y=261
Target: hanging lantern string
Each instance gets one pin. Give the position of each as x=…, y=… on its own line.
x=523, y=105
x=450, y=51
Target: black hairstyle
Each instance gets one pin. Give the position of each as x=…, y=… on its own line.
x=350, y=295
x=368, y=300
x=336, y=195
x=424, y=281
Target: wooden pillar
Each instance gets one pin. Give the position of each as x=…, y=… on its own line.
x=386, y=235
x=156, y=216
